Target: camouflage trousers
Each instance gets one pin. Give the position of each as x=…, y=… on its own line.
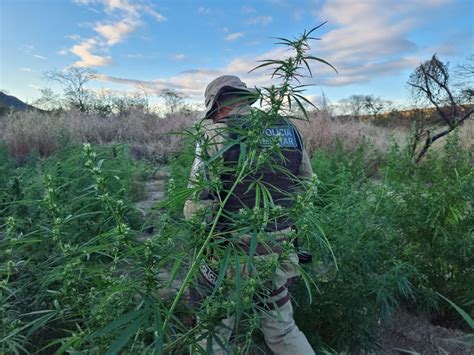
x=281, y=333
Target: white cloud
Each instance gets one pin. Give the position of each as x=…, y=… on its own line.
x=369, y=38
x=27, y=48
x=179, y=56
x=30, y=49
x=63, y=51
x=87, y=58
x=112, y=32
x=372, y=41
x=233, y=36
x=192, y=83
x=25, y=69
x=259, y=20
x=116, y=32
x=158, y=17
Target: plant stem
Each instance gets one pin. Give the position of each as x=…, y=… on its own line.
x=203, y=247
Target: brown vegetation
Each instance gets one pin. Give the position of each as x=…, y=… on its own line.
x=323, y=131
x=148, y=135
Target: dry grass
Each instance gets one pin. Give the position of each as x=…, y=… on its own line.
x=323, y=131
x=467, y=133
x=150, y=136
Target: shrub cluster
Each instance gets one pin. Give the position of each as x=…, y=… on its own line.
x=148, y=135
x=75, y=276
x=399, y=238
x=67, y=238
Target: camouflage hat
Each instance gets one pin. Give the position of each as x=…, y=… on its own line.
x=228, y=84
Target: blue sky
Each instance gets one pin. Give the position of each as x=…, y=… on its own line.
x=374, y=44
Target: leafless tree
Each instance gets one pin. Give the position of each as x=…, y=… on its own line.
x=174, y=100
x=467, y=69
x=374, y=105
x=430, y=85
x=73, y=81
x=358, y=105
x=465, y=75
x=48, y=100
x=145, y=92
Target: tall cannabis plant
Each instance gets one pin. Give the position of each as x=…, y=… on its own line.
x=238, y=294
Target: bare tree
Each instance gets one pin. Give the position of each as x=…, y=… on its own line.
x=74, y=80
x=174, y=100
x=374, y=105
x=145, y=92
x=48, y=100
x=465, y=75
x=430, y=85
x=353, y=105
x=358, y=105
x=467, y=69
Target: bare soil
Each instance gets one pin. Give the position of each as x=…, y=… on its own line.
x=409, y=334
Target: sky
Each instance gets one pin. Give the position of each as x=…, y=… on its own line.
x=183, y=44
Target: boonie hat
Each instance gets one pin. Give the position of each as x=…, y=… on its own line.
x=226, y=83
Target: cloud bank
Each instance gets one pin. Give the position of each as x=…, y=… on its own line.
x=110, y=33
x=363, y=40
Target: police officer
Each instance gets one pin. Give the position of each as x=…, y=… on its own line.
x=227, y=97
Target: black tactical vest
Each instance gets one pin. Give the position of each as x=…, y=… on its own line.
x=277, y=174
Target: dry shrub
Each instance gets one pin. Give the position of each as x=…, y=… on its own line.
x=467, y=133
x=148, y=134
x=323, y=131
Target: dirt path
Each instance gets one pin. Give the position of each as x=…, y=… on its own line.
x=411, y=334
x=155, y=189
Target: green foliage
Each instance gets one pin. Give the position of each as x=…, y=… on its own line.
x=65, y=225
x=398, y=238
x=431, y=206
x=77, y=275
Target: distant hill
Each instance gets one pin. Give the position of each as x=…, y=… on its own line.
x=8, y=102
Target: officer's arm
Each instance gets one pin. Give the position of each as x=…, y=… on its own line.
x=200, y=199
x=305, y=170
x=213, y=141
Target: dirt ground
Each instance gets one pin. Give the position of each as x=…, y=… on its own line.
x=410, y=334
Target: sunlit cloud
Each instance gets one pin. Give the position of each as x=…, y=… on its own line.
x=112, y=32
x=116, y=32
x=179, y=56
x=233, y=36
x=39, y=57
x=87, y=58
x=369, y=39
x=25, y=69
